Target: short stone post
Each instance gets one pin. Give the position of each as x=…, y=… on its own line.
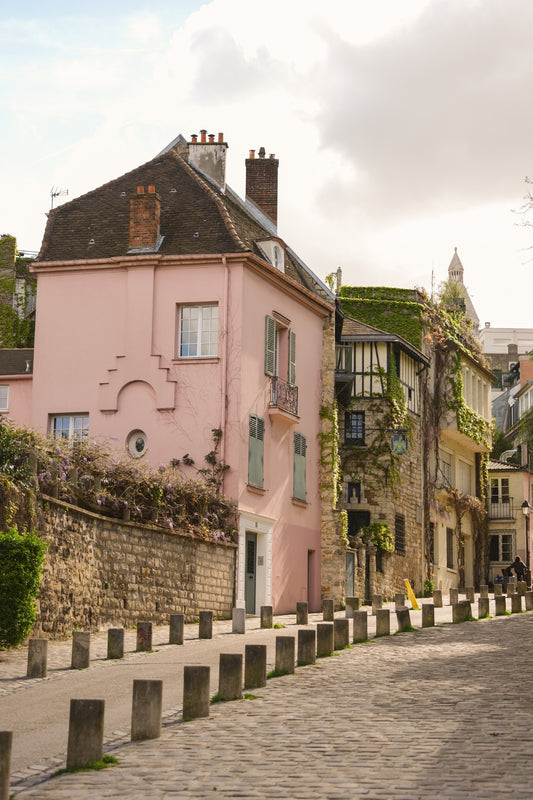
x=255, y=659
x=306, y=646
x=302, y=613
x=482, y=607
x=144, y=637
x=325, y=639
x=285, y=653
x=146, y=709
x=499, y=602
x=459, y=612
x=529, y=601
x=377, y=602
x=238, y=620
x=176, y=629
x=360, y=626
x=37, y=658
x=521, y=588
x=81, y=649
x=196, y=699
x=470, y=594
x=454, y=596
x=327, y=610
x=483, y=590
x=230, y=676
x=437, y=598
x=404, y=619
x=511, y=587
x=115, y=643
x=341, y=629
x=6, y=742
x=352, y=604
x=516, y=603
x=399, y=600
x=428, y=615
x=85, y=732
x=205, y=627
x=498, y=590
x=266, y=616
x=382, y=622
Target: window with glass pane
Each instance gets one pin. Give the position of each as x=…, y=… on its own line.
x=354, y=427
x=449, y=548
x=198, y=335
x=507, y=547
x=70, y=427
x=4, y=398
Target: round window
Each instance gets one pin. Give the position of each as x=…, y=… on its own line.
x=137, y=444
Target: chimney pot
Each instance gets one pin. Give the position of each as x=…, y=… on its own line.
x=262, y=152
x=151, y=189
x=220, y=138
x=252, y=153
x=272, y=155
x=194, y=137
x=140, y=189
x=203, y=134
x=211, y=137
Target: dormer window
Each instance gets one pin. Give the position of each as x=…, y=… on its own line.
x=274, y=252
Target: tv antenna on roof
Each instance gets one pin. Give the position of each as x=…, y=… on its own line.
x=54, y=192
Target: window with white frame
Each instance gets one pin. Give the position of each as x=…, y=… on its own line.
x=501, y=547
x=70, y=426
x=464, y=476
x=4, y=398
x=198, y=331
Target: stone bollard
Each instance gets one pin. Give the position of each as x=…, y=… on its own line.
x=115, y=643
x=352, y=604
x=454, y=596
x=328, y=610
x=285, y=653
x=511, y=587
x=499, y=602
x=37, y=658
x=404, y=619
x=85, y=733
x=175, y=633
x=238, y=620
x=483, y=590
x=306, y=647
x=529, y=601
x=382, y=622
x=81, y=649
x=360, y=626
x=377, y=602
x=521, y=588
x=462, y=611
x=470, y=594
x=341, y=630
x=6, y=742
x=428, y=615
x=325, y=639
x=266, y=616
x=205, y=628
x=498, y=590
x=302, y=613
x=516, y=603
x=399, y=600
x=483, y=608
x=230, y=676
x=255, y=659
x=146, y=710
x=196, y=692
x=144, y=637
x=437, y=598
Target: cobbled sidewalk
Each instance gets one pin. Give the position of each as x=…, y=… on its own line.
x=442, y=712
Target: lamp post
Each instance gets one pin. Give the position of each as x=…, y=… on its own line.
x=526, y=508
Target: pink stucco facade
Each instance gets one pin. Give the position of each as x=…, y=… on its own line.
x=107, y=348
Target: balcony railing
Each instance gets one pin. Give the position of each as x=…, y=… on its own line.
x=502, y=509
x=283, y=396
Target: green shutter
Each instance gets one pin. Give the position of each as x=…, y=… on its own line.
x=300, y=449
x=255, y=450
x=292, y=358
x=270, y=346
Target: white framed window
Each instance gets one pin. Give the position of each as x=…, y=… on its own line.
x=198, y=331
x=70, y=426
x=4, y=398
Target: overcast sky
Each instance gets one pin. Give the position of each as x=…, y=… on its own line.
x=403, y=127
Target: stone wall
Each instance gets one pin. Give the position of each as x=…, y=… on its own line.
x=101, y=572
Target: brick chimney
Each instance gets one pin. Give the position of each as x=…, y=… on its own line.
x=262, y=182
x=145, y=213
x=209, y=157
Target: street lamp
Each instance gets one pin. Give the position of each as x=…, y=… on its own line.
x=526, y=508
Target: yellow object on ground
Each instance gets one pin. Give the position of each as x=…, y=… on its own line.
x=411, y=595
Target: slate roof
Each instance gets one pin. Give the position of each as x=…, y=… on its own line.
x=16, y=361
x=197, y=218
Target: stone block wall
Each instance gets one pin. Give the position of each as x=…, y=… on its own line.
x=101, y=572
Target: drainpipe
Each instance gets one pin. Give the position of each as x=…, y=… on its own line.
x=224, y=368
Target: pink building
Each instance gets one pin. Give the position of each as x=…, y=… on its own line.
x=167, y=308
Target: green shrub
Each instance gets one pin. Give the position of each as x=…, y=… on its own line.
x=429, y=587
x=378, y=534
x=21, y=560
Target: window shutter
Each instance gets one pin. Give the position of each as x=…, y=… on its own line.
x=300, y=449
x=292, y=358
x=255, y=450
x=270, y=346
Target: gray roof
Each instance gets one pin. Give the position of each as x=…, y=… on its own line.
x=16, y=361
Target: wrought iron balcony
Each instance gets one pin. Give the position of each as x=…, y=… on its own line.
x=502, y=508
x=283, y=396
